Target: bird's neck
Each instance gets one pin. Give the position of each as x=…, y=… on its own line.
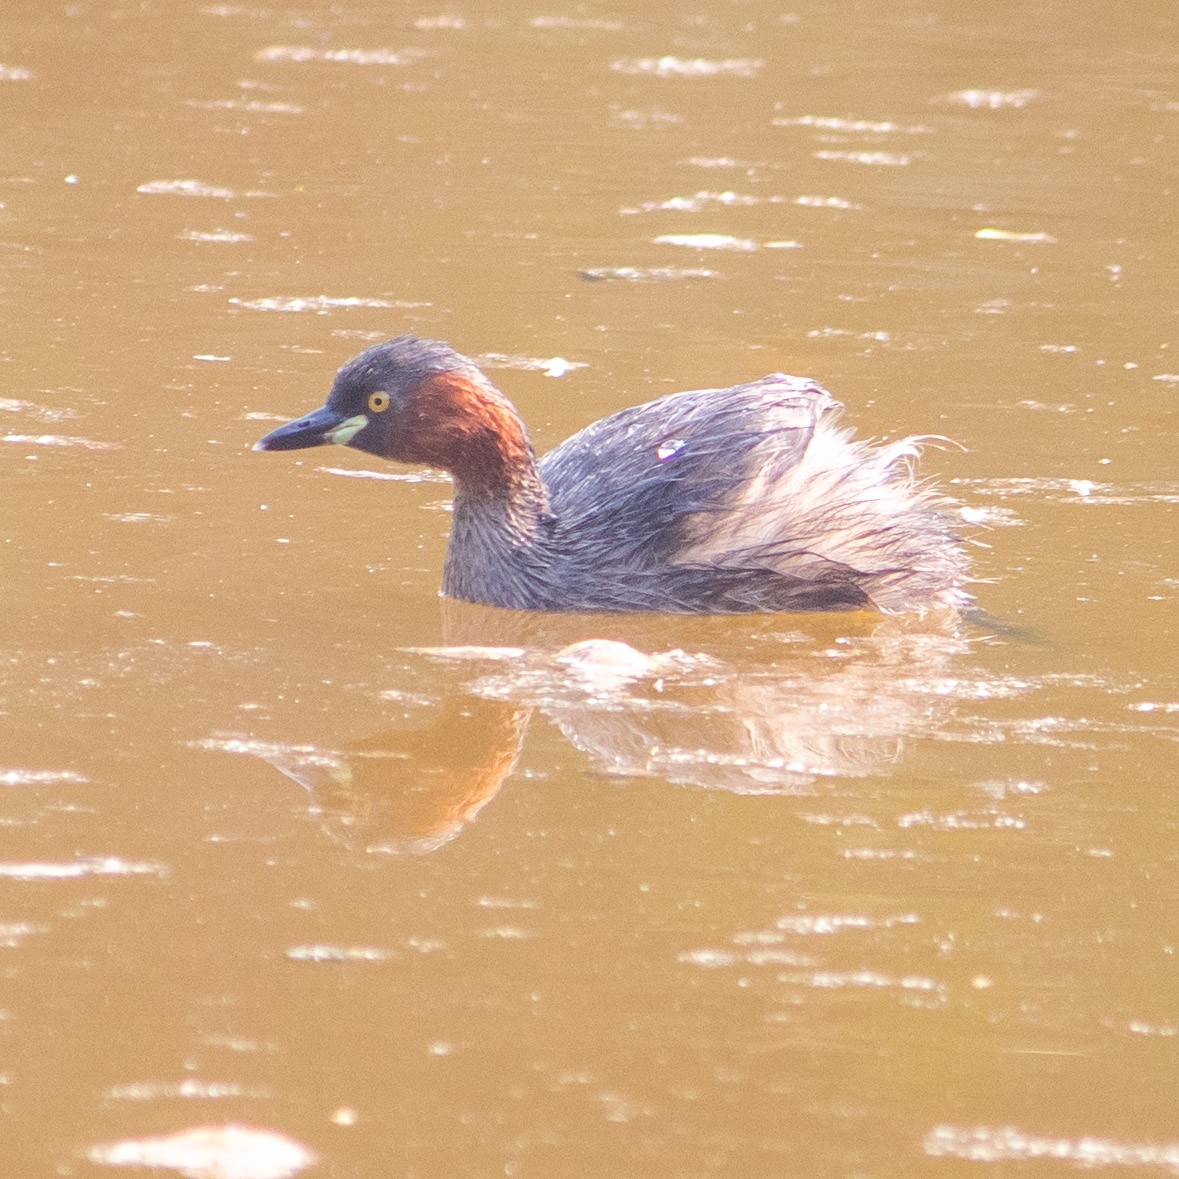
x=501, y=505
x=499, y=549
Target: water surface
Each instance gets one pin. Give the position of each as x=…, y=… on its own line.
x=292, y=846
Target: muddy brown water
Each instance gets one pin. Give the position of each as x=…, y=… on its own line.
x=289, y=844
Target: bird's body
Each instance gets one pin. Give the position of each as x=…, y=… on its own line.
x=746, y=499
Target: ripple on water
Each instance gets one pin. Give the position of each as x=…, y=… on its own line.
x=231, y=1151
x=987, y=820
x=827, y=202
x=701, y=200
x=1088, y=492
x=43, y=413
x=61, y=440
x=76, y=869
x=387, y=476
x=250, y=106
x=805, y=971
x=670, y=66
x=718, y=162
x=854, y=126
x=554, y=366
x=990, y=233
x=995, y=1144
x=828, y=333
x=329, y=953
x=301, y=54
x=225, y=236
x=138, y=518
x=707, y=241
x=644, y=273
x=188, y=1089
x=915, y=990
x=22, y=777
x=429, y=23
x=990, y=100
x=642, y=120
x=316, y=304
x=873, y=159
x=191, y=188
x=13, y=933
x=579, y=23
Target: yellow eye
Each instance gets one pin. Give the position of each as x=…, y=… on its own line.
x=378, y=402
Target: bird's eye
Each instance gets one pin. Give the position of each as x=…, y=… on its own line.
x=378, y=402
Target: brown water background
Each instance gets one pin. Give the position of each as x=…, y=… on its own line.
x=814, y=897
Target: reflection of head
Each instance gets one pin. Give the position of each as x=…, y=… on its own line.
x=413, y=788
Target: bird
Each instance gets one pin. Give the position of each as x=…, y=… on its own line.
x=748, y=499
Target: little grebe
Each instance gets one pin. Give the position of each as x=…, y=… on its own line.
x=722, y=501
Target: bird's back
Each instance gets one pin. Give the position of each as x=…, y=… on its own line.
x=743, y=499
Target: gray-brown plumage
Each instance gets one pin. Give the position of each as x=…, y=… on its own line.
x=747, y=499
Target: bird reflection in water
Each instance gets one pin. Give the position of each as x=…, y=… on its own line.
x=765, y=711
x=750, y=708
x=411, y=789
